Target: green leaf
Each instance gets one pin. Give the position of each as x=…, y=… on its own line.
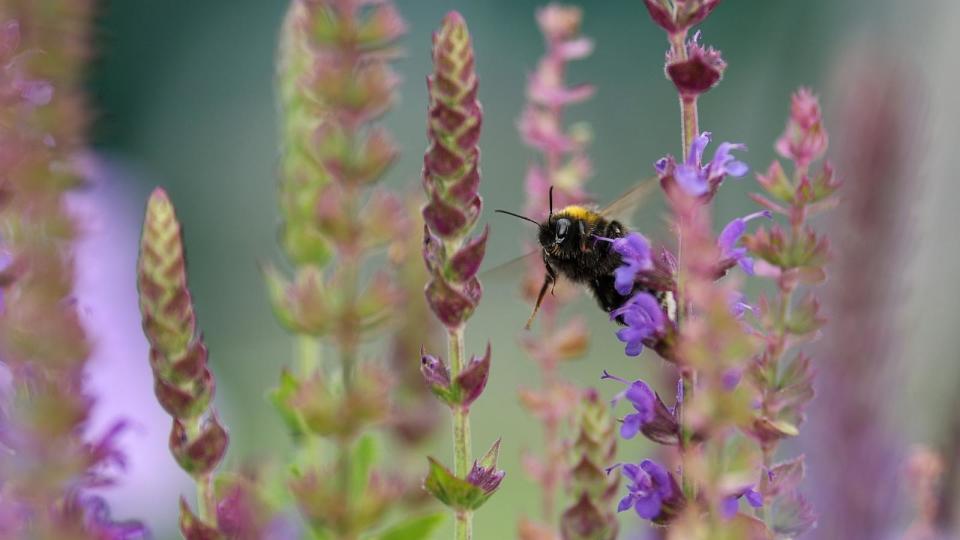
x=412, y=528
x=364, y=456
x=452, y=491
x=277, y=286
x=489, y=460
x=280, y=398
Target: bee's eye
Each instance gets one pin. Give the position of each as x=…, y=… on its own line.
x=561, y=230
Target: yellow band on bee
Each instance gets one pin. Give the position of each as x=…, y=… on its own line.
x=578, y=212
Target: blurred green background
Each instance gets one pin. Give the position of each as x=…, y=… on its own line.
x=183, y=93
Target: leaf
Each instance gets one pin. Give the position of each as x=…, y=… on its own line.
x=489, y=460
x=791, y=515
x=280, y=398
x=452, y=491
x=784, y=477
x=277, y=286
x=364, y=456
x=412, y=528
x=738, y=460
x=193, y=528
x=795, y=388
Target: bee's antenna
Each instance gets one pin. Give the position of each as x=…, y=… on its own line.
x=518, y=216
x=551, y=201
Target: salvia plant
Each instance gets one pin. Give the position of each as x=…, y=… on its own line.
x=562, y=163
x=451, y=179
x=49, y=462
x=363, y=270
x=743, y=382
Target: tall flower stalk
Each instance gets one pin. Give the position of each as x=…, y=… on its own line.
x=590, y=516
x=335, y=82
x=451, y=178
x=876, y=126
x=792, y=258
x=49, y=460
x=183, y=383
x=735, y=387
x=563, y=165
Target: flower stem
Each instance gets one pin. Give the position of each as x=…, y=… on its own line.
x=689, y=130
x=308, y=354
x=206, y=499
x=463, y=525
x=690, y=122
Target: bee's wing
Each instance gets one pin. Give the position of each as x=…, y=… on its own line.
x=513, y=267
x=625, y=206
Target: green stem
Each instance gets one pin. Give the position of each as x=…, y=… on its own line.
x=690, y=122
x=308, y=354
x=206, y=499
x=463, y=524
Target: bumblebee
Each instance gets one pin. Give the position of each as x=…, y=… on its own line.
x=569, y=247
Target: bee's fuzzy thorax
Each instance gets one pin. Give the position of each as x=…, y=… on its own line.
x=578, y=212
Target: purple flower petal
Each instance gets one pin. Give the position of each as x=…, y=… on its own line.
x=731, y=234
x=625, y=503
x=729, y=507
x=623, y=278
x=642, y=398
x=631, y=471
x=659, y=476
x=754, y=498
x=697, y=147
x=630, y=426
x=661, y=165
x=648, y=507
x=691, y=179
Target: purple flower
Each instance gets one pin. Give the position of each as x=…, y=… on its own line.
x=649, y=488
x=730, y=237
x=634, y=250
x=730, y=504
x=738, y=302
x=486, y=478
x=697, y=179
x=639, y=394
x=652, y=417
x=98, y=522
x=643, y=318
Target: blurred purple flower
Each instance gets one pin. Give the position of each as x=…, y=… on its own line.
x=650, y=486
x=644, y=319
x=697, y=179
x=730, y=236
x=739, y=305
x=730, y=505
x=97, y=521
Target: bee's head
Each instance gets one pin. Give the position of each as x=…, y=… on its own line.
x=557, y=232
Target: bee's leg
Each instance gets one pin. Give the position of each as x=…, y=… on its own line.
x=549, y=279
x=584, y=239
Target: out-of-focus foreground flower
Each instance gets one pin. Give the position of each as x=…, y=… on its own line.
x=561, y=169
x=47, y=461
